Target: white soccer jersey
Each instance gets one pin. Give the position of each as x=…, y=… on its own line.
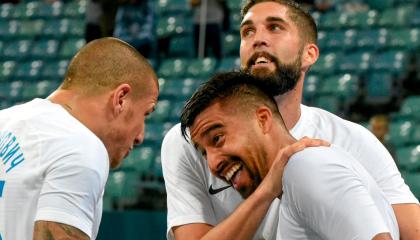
x=188, y=179
x=327, y=194
x=52, y=168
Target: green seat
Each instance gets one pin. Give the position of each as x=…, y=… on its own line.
x=29, y=91
x=332, y=20
x=19, y=11
x=176, y=110
x=413, y=181
x=395, y=61
x=229, y=64
x=408, y=158
x=235, y=21
x=46, y=87
x=400, y=132
x=74, y=9
x=7, y=70
x=45, y=49
x=362, y=19
x=30, y=28
x=179, y=89
x=330, y=103
x=122, y=186
x=182, y=46
x=415, y=20
x=405, y=39
x=201, y=68
x=379, y=88
x=356, y=62
x=55, y=70
x=372, y=39
x=310, y=87
x=6, y=11
x=411, y=107
x=12, y=91
x=380, y=4
x=230, y=44
x=234, y=5
x=326, y=64
x=173, y=25
x=396, y=17
x=76, y=28
x=29, y=71
x=344, y=86
x=167, y=7
x=173, y=68
x=49, y=10
x=154, y=133
x=340, y=40
x=70, y=47
x=17, y=50
x=162, y=111
x=9, y=29
x=139, y=160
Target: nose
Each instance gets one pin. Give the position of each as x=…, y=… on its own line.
x=216, y=161
x=260, y=38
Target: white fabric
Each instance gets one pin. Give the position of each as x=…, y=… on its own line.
x=57, y=170
x=187, y=178
x=329, y=195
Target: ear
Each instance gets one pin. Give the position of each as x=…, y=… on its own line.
x=264, y=118
x=120, y=97
x=310, y=55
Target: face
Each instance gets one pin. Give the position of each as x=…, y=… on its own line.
x=129, y=130
x=232, y=144
x=270, y=45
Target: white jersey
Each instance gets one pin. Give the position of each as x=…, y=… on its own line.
x=327, y=194
x=188, y=179
x=52, y=168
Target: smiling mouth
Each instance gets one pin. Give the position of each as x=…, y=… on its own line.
x=260, y=59
x=232, y=172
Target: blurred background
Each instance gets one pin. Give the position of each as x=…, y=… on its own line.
x=368, y=72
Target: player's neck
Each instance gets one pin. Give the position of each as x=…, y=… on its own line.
x=289, y=104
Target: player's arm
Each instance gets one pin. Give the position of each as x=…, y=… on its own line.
x=408, y=218
x=244, y=221
x=46, y=230
x=382, y=236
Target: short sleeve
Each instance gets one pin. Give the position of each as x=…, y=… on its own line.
x=187, y=199
x=330, y=197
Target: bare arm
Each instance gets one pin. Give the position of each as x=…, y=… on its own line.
x=383, y=236
x=408, y=218
x=244, y=221
x=46, y=230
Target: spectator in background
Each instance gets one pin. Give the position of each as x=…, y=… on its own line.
x=100, y=18
x=214, y=19
x=379, y=126
x=134, y=24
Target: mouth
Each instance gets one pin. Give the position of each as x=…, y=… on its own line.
x=260, y=59
x=232, y=173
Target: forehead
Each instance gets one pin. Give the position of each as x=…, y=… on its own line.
x=260, y=12
x=215, y=113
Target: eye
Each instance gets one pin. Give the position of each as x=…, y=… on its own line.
x=274, y=27
x=217, y=139
x=247, y=32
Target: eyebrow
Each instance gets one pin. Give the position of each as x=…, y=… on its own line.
x=268, y=19
x=211, y=128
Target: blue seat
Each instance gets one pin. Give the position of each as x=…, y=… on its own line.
x=396, y=17
x=49, y=10
x=173, y=25
x=310, y=88
x=411, y=107
x=372, y=39
x=70, y=47
x=201, y=68
x=229, y=64
x=162, y=112
x=409, y=158
x=12, y=91
x=74, y=9
x=330, y=103
x=405, y=39
x=400, y=132
x=179, y=89
x=140, y=160
x=230, y=44
x=362, y=19
x=9, y=29
x=326, y=64
x=344, y=86
x=340, y=40
x=332, y=20
x=182, y=46
x=6, y=11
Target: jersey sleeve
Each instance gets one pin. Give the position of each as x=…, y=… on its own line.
x=187, y=198
x=74, y=184
x=330, y=198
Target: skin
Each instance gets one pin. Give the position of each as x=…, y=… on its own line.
x=261, y=31
x=115, y=113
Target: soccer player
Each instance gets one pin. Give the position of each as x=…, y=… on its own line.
x=278, y=43
x=55, y=153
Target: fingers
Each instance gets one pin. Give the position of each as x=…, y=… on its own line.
x=313, y=142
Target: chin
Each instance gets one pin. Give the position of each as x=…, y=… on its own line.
x=262, y=72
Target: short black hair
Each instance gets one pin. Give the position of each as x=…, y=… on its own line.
x=252, y=91
x=303, y=20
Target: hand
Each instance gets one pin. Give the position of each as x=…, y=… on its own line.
x=272, y=182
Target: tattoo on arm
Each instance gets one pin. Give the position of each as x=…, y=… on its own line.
x=45, y=230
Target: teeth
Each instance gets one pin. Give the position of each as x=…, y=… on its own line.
x=232, y=171
x=262, y=60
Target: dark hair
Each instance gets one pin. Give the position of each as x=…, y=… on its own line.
x=303, y=20
x=248, y=89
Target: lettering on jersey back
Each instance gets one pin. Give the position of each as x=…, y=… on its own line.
x=10, y=152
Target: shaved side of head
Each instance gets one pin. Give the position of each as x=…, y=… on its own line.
x=105, y=63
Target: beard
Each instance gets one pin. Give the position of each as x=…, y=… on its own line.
x=285, y=76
